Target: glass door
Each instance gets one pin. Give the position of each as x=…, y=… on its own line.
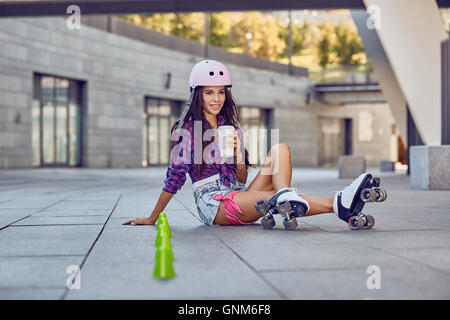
x=159, y=115
x=56, y=112
x=254, y=124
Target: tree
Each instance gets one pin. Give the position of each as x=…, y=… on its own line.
x=265, y=41
x=185, y=25
x=325, y=45
x=189, y=26
x=348, y=44
x=220, y=26
x=157, y=22
x=300, y=37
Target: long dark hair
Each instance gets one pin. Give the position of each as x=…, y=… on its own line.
x=228, y=112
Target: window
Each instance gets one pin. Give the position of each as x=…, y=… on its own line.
x=56, y=121
x=159, y=115
x=254, y=122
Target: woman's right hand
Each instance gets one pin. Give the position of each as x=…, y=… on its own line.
x=141, y=221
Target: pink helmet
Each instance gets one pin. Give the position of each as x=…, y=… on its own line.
x=209, y=73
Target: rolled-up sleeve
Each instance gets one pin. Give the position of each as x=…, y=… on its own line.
x=181, y=158
x=175, y=178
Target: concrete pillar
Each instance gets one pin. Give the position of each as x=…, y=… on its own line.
x=430, y=168
x=384, y=73
x=411, y=32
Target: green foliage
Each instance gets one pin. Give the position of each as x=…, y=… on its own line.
x=220, y=26
x=325, y=46
x=189, y=26
x=315, y=44
x=302, y=37
x=265, y=41
x=184, y=25
x=348, y=44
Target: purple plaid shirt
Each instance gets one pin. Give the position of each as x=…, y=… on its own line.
x=184, y=162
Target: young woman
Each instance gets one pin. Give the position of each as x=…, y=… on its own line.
x=219, y=183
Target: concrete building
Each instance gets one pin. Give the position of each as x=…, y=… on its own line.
x=97, y=99
x=94, y=98
x=106, y=94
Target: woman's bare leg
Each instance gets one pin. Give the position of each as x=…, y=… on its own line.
x=275, y=174
x=246, y=201
x=276, y=171
x=265, y=185
x=318, y=205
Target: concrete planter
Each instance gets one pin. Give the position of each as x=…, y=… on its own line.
x=430, y=167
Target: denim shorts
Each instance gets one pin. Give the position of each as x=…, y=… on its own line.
x=207, y=207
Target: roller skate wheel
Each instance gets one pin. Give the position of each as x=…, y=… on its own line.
x=377, y=194
x=290, y=224
x=370, y=222
x=376, y=182
x=262, y=206
x=368, y=195
x=268, y=222
x=284, y=207
x=381, y=195
x=356, y=223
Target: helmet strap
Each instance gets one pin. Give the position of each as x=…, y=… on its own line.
x=185, y=110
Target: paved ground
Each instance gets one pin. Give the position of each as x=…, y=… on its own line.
x=51, y=219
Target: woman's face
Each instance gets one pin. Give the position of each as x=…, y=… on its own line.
x=213, y=99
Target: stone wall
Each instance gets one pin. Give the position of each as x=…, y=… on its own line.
x=119, y=72
x=374, y=135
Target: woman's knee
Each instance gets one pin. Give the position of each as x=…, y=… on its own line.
x=281, y=148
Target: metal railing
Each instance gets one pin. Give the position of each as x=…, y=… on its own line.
x=348, y=74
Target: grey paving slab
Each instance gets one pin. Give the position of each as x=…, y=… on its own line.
x=134, y=207
x=117, y=274
x=185, y=198
x=21, y=212
x=126, y=257
x=400, y=282
x=8, y=216
x=30, y=203
x=7, y=220
x=255, y=234
x=98, y=195
x=401, y=239
x=141, y=206
x=285, y=256
x=437, y=258
x=322, y=259
x=175, y=217
x=75, y=213
x=49, y=220
x=36, y=272
x=30, y=294
x=385, y=220
x=145, y=235
x=47, y=240
x=77, y=205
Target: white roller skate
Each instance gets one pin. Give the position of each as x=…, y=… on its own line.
x=349, y=202
x=286, y=202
